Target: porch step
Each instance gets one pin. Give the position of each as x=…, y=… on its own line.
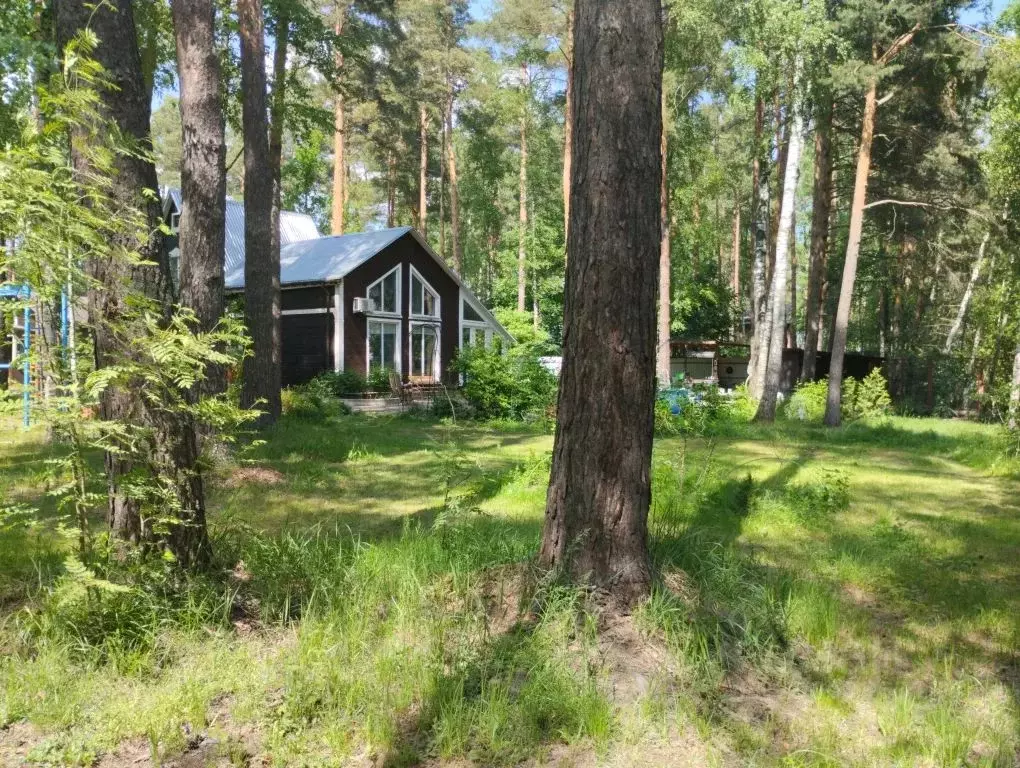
x=373, y=405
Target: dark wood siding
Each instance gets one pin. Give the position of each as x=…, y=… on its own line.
x=307, y=347
x=406, y=252
x=314, y=297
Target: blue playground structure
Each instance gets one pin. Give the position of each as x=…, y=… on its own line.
x=20, y=353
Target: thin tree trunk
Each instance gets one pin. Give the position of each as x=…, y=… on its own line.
x=735, y=267
x=821, y=207
x=597, y=508
x=791, y=339
x=423, y=169
x=1014, y=393
x=664, y=355
x=833, y=415
x=339, y=207
x=276, y=120
x=202, y=229
x=391, y=190
x=522, y=214
x=261, y=376
x=451, y=161
x=442, y=184
x=961, y=312
x=568, y=123
x=760, y=220
x=780, y=274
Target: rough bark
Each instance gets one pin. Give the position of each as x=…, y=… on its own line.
x=339, y=207
x=126, y=104
x=261, y=377
x=202, y=229
x=568, y=122
x=451, y=162
x=821, y=206
x=423, y=169
x=760, y=220
x=597, y=507
x=276, y=121
x=780, y=274
x=833, y=414
x=961, y=312
x=522, y=212
x=663, y=354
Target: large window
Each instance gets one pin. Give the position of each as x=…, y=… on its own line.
x=472, y=315
x=424, y=301
x=425, y=351
x=382, y=345
x=384, y=292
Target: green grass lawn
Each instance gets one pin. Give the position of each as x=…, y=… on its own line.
x=826, y=598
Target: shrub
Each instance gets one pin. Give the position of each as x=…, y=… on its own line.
x=513, y=385
x=866, y=398
x=338, y=383
x=378, y=380
x=807, y=403
x=313, y=400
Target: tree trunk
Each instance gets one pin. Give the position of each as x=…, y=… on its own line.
x=391, y=190
x=820, y=209
x=1014, y=393
x=775, y=341
x=522, y=214
x=276, y=120
x=961, y=312
x=126, y=104
x=597, y=508
x=339, y=207
x=760, y=220
x=735, y=268
x=568, y=123
x=833, y=415
x=663, y=356
x=442, y=184
x=261, y=377
x=790, y=328
x=423, y=170
x=203, y=165
x=451, y=161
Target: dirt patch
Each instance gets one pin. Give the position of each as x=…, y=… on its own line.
x=253, y=476
x=16, y=741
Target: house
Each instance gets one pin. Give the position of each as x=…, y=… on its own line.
x=363, y=301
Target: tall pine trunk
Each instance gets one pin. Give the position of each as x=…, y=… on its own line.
x=522, y=194
x=760, y=220
x=596, y=518
x=1014, y=393
x=663, y=357
x=735, y=267
x=423, y=169
x=451, y=161
x=961, y=312
x=203, y=163
x=276, y=120
x=338, y=212
x=568, y=122
x=261, y=377
x=833, y=414
x=821, y=206
x=780, y=274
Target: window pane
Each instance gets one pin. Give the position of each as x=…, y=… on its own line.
x=430, y=303
x=389, y=287
x=390, y=345
x=375, y=341
x=466, y=338
x=471, y=314
x=375, y=294
x=416, y=295
x=429, y=352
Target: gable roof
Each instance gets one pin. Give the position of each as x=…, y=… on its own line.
x=294, y=227
x=330, y=259
x=323, y=259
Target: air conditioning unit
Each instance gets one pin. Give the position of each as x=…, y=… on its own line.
x=361, y=306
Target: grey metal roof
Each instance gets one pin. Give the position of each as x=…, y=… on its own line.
x=294, y=227
x=323, y=259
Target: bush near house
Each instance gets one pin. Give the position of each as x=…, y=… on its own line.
x=510, y=385
x=862, y=398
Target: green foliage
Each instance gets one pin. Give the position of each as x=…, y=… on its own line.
x=510, y=385
x=807, y=403
x=704, y=410
x=861, y=399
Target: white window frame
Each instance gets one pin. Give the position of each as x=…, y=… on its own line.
x=437, y=362
x=383, y=320
x=399, y=294
x=175, y=222
x=425, y=287
x=474, y=326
